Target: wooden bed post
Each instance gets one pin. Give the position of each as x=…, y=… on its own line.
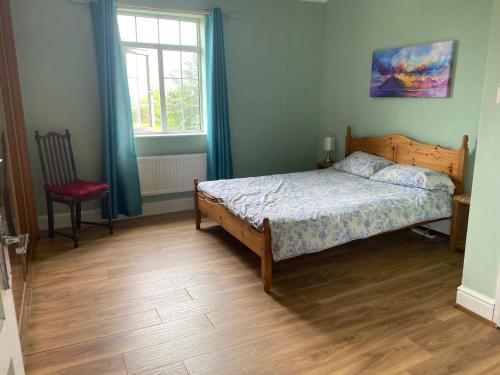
x=348, y=137
x=197, y=214
x=266, y=262
x=462, y=164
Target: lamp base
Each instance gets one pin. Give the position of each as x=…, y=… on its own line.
x=328, y=157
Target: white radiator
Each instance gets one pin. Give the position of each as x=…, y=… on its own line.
x=171, y=173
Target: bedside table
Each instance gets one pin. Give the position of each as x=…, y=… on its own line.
x=323, y=165
x=459, y=221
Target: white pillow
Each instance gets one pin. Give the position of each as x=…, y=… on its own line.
x=417, y=177
x=362, y=164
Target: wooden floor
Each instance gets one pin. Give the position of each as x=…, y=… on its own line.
x=158, y=297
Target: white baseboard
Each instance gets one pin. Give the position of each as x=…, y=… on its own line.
x=496, y=313
x=148, y=209
x=476, y=302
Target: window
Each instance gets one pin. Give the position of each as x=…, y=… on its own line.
x=164, y=69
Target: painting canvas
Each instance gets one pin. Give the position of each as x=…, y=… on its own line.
x=420, y=71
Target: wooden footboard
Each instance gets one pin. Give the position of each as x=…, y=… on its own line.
x=258, y=242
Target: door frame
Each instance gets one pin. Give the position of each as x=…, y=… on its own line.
x=15, y=131
x=11, y=356
x=17, y=154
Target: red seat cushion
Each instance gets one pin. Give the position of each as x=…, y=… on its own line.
x=79, y=188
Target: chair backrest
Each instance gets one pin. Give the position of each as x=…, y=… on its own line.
x=56, y=157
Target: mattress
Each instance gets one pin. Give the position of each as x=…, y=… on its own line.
x=316, y=210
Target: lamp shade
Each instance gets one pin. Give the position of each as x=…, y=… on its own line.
x=329, y=144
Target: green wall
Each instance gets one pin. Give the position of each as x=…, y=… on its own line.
x=296, y=71
x=274, y=51
x=355, y=28
x=57, y=70
x=482, y=255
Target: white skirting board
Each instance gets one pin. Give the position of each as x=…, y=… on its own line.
x=148, y=209
x=476, y=302
x=496, y=313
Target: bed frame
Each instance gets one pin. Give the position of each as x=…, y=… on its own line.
x=398, y=148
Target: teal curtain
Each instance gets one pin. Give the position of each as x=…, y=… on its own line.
x=119, y=160
x=220, y=165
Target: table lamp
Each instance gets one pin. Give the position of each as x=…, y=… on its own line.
x=329, y=146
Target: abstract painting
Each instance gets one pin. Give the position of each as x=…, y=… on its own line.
x=420, y=71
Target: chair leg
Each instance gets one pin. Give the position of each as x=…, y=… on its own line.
x=110, y=214
x=73, y=225
x=79, y=216
x=50, y=214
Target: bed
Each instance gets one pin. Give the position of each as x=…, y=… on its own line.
x=288, y=215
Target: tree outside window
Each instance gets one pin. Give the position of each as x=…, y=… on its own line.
x=163, y=56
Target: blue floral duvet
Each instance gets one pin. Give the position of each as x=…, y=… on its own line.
x=316, y=210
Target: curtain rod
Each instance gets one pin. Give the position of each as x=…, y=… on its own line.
x=204, y=12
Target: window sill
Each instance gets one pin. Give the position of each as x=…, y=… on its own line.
x=170, y=135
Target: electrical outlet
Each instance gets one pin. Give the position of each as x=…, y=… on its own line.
x=498, y=95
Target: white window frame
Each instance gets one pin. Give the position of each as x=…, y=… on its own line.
x=199, y=49
x=150, y=101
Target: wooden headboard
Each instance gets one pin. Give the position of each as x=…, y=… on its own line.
x=403, y=150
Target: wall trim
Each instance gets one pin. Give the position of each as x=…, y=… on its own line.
x=62, y=220
x=476, y=302
x=496, y=312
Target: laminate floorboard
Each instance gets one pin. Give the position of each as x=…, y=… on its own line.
x=159, y=297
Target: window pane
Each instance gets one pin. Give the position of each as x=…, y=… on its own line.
x=190, y=92
x=131, y=65
x=144, y=88
x=147, y=30
x=192, y=118
x=171, y=64
x=169, y=32
x=181, y=96
x=189, y=33
x=135, y=116
x=150, y=73
x=157, y=110
x=174, y=119
x=132, y=88
x=143, y=91
x=173, y=92
x=190, y=65
x=126, y=24
x=141, y=65
x=145, y=116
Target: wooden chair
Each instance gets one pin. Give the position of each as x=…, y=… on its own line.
x=63, y=186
